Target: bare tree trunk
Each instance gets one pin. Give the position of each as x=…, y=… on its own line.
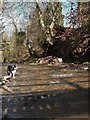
x=48, y=31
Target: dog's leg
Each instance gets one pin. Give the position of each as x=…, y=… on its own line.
x=14, y=72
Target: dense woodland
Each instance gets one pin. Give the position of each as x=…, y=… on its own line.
x=45, y=35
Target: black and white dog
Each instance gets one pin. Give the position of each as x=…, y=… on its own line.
x=11, y=72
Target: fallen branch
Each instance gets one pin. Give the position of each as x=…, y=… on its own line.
x=7, y=89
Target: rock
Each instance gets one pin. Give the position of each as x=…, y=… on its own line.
x=60, y=60
x=50, y=60
x=85, y=68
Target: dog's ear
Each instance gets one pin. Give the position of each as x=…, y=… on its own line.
x=16, y=66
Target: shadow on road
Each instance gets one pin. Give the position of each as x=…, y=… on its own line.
x=54, y=104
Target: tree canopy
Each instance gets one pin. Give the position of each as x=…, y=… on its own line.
x=44, y=32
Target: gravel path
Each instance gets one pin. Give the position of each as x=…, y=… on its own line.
x=47, y=92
